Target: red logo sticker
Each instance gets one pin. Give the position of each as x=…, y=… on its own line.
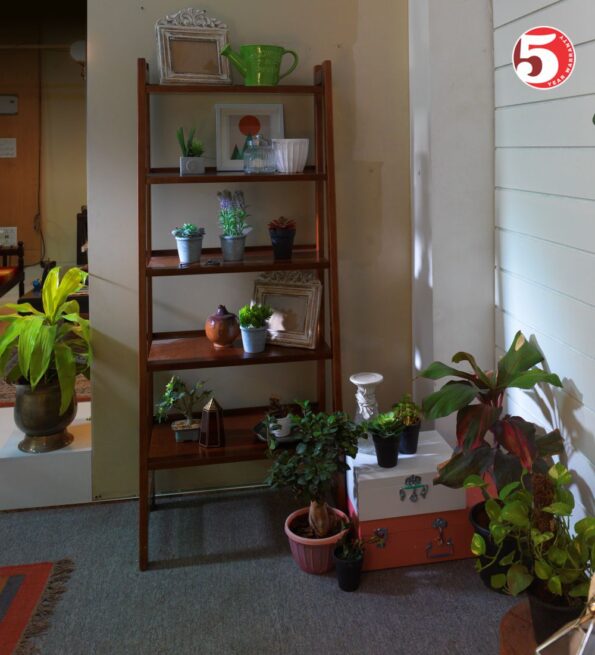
x=543, y=58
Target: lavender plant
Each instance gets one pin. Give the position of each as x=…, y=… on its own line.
x=232, y=213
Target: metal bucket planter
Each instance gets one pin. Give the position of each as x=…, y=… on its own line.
x=189, y=249
x=233, y=248
x=37, y=414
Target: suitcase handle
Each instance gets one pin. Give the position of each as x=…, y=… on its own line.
x=439, y=524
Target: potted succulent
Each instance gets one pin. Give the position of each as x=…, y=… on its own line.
x=232, y=215
x=42, y=353
x=310, y=470
x=186, y=400
x=553, y=563
x=189, y=243
x=282, y=233
x=281, y=415
x=253, y=324
x=386, y=431
x=349, y=558
x=191, y=162
x=409, y=415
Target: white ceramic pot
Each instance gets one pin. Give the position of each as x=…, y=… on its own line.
x=284, y=427
x=192, y=165
x=291, y=154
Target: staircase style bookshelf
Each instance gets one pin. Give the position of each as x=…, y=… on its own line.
x=191, y=349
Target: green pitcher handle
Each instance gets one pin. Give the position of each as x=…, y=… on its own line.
x=295, y=62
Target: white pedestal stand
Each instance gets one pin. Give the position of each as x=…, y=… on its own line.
x=367, y=405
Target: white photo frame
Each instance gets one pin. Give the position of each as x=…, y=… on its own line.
x=295, y=297
x=235, y=122
x=189, y=45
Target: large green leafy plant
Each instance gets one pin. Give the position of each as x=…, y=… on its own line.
x=310, y=468
x=489, y=442
x=547, y=556
x=42, y=347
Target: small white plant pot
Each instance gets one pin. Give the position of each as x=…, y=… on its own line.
x=192, y=165
x=284, y=428
x=254, y=339
x=291, y=154
x=189, y=249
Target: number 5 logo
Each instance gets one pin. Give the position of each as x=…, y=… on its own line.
x=543, y=57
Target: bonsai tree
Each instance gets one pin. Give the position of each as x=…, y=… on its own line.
x=190, y=147
x=556, y=562
x=478, y=398
x=51, y=346
x=254, y=315
x=309, y=470
x=232, y=213
x=406, y=411
x=188, y=231
x=186, y=400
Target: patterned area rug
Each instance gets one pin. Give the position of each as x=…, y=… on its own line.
x=28, y=594
x=8, y=392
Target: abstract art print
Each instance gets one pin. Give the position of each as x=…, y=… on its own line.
x=235, y=123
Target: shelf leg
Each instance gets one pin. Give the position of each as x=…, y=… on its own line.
x=143, y=515
x=153, y=505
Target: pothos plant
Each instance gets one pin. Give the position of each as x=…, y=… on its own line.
x=310, y=468
x=547, y=556
x=42, y=347
x=489, y=441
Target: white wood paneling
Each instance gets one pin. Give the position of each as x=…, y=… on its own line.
x=505, y=11
x=563, y=269
x=560, y=123
x=575, y=18
x=509, y=90
x=561, y=171
x=567, y=221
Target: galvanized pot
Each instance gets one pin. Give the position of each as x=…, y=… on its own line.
x=233, y=248
x=37, y=414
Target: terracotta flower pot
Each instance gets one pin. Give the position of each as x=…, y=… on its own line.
x=313, y=555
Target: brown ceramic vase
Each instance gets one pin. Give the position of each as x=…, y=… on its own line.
x=222, y=328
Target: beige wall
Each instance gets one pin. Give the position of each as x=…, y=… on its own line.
x=367, y=43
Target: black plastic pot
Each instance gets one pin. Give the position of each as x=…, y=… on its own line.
x=282, y=241
x=547, y=618
x=387, y=451
x=491, y=548
x=349, y=572
x=409, y=439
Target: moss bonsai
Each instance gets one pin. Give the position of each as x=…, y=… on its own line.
x=310, y=469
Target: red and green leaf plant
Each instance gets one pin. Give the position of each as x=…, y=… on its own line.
x=489, y=442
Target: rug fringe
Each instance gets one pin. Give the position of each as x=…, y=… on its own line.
x=39, y=623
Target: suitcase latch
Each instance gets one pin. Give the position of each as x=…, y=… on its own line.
x=439, y=524
x=414, y=484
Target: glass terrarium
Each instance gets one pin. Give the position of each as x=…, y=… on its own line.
x=259, y=155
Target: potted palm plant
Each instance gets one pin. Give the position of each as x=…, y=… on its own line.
x=549, y=560
x=409, y=415
x=186, y=400
x=386, y=431
x=309, y=470
x=43, y=352
x=232, y=220
x=189, y=243
x=191, y=162
x=253, y=324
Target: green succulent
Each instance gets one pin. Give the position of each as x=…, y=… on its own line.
x=190, y=147
x=254, y=315
x=386, y=425
x=187, y=231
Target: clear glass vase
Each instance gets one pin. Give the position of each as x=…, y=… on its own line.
x=259, y=156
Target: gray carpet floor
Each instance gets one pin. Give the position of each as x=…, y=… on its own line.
x=223, y=583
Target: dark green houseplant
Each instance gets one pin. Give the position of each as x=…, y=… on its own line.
x=386, y=430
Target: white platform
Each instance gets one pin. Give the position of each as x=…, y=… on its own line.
x=62, y=477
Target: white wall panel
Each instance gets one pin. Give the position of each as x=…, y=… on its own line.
x=567, y=221
x=575, y=18
x=566, y=122
x=506, y=11
x=561, y=171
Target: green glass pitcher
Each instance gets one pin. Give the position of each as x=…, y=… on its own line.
x=260, y=65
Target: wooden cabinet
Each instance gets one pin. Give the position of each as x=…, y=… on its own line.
x=191, y=350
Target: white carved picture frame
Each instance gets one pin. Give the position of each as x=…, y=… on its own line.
x=295, y=298
x=189, y=45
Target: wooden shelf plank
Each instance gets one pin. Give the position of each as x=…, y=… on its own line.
x=241, y=444
x=256, y=259
x=172, y=176
x=187, y=350
x=288, y=89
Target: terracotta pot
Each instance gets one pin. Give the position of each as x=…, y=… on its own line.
x=222, y=328
x=313, y=555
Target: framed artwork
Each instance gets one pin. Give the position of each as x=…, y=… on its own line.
x=189, y=45
x=295, y=297
x=236, y=122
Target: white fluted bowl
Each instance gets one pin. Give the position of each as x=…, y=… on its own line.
x=291, y=154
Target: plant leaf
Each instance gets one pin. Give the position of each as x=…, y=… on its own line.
x=528, y=379
x=554, y=584
x=481, y=375
x=22, y=308
x=549, y=444
x=10, y=336
x=474, y=481
x=498, y=581
x=478, y=545
x=518, y=437
x=516, y=513
x=28, y=341
x=66, y=369
x=560, y=474
x=520, y=357
x=73, y=280
x=542, y=569
x=438, y=370
x=579, y=590
x=558, y=509
x=457, y=469
x=473, y=422
x=42, y=354
x=450, y=398
x=493, y=509
x=508, y=489
x=584, y=524
x=48, y=292
x=518, y=579
x=181, y=141
x=507, y=468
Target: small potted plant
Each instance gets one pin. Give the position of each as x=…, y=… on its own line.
x=280, y=414
x=191, y=162
x=310, y=470
x=553, y=563
x=232, y=215
x=178, y=396
x=189, y=243
x=253, y=324
x=409, y=415
x=282, y=232
x=386, y=431
x=349, y=558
